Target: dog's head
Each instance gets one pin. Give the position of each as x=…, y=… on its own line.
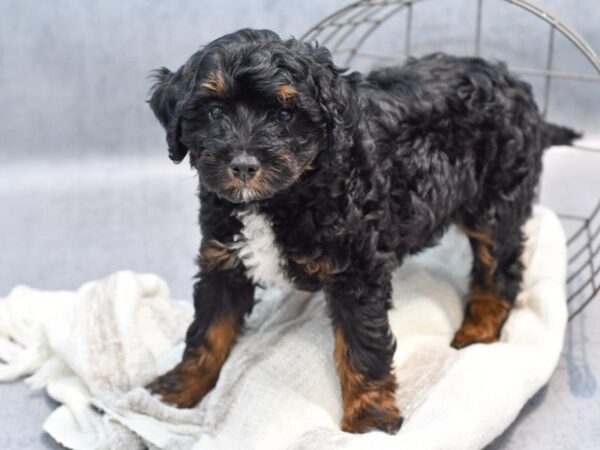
x=255, y=112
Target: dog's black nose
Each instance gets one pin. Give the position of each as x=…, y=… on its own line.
x=244, y=167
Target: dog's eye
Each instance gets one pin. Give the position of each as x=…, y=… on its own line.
x=284, y=115
x=215, y=113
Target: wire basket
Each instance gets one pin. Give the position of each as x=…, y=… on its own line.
x=380, y=32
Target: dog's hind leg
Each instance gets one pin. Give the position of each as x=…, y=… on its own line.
x=497, y=241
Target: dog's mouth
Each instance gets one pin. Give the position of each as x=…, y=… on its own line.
x=238, y=191
x=244, y=195
x=262, y=184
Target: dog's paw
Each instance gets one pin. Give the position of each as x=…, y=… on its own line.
x=373, y=419
x=471, y=333
x=177, y=389
x=484, y=318
x=373, y=408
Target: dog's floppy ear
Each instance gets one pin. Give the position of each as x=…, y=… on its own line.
x=163, y=102
x=337, y=99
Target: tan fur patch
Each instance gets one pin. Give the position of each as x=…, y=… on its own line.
x=322, y=267
x=310, y=165
x=486, y=313
x=485, y=245
x=216, y=84
x=366, y=405
x=196, y=375
x=258, y=183
x=217, y=256
x=233, y=183
x=286, y=159
x=286, y=94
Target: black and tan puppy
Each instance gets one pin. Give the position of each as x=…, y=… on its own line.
x=318, y=179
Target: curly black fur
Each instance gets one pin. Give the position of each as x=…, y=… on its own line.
x=357, y=173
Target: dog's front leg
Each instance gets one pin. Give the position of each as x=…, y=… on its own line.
x=364, y=348
x=222, y=297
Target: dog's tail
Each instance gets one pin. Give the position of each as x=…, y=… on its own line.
x=558, y=135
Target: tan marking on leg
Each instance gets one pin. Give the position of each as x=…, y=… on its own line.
x=196, y=375
x=486, y=310
x=216, y=84
x=286, y=93
x=486, y=313
x=367, y=405
x=215, y=255
x=485, y=245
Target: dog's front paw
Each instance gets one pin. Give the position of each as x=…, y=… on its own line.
x=372, y=418
x=179, y=388
x=372, y=409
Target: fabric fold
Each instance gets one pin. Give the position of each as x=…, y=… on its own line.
x=94, y=349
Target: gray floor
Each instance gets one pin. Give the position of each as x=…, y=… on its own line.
x=62, y=223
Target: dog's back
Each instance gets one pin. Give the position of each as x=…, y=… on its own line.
x=460, y=132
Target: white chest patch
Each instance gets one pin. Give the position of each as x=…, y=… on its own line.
x=258, y=252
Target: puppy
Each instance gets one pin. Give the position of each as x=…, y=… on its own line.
x=316, y=178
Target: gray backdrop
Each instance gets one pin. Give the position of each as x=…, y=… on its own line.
x=73, y=73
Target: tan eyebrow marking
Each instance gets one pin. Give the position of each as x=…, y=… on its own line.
x=215, y=83
x=286, y=94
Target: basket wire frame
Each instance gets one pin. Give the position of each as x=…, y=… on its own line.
x=361, y=19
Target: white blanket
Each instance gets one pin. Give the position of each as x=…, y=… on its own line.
x=93, y=349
